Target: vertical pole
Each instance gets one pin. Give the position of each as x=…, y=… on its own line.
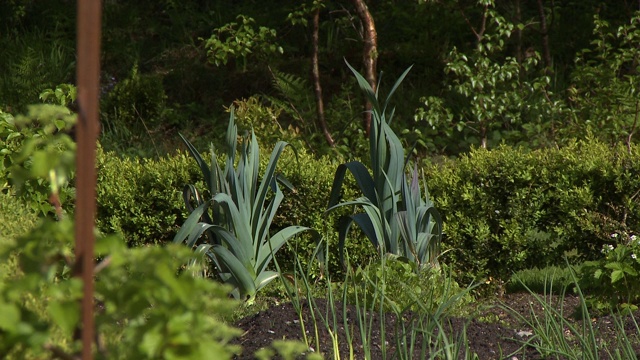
x=88, y=80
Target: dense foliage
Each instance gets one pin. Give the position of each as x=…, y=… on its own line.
x=485, y=72
x=145, y=309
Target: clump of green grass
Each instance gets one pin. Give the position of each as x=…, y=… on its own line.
x=15, y=217
x=539, y=281
x=554, y=335
x=15, y=220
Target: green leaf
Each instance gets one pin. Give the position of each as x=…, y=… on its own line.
x=614, y=266
x=191, y=223
x=598, y=274
x=273, y=244
x=65, y=314
x=196, y=155
x=363, y=179
x=152, y=341
x=616, y=276
x=10, y=316
x=264, y=278
x=243, y=280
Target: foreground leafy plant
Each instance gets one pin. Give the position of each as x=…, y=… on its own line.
x=145, y=308
x=37, y=156
x=613, y=280
x=396, y=219
x=167, y=314
x=237, y=237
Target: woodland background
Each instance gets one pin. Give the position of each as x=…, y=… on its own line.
x=484, y=72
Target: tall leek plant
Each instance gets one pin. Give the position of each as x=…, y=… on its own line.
x=232, y=227
x=395, y=217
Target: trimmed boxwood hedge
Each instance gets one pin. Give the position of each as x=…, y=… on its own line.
x=510, y=209
x=504, y=210
x=142, y=198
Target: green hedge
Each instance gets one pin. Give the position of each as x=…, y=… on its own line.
x=313, y=179
x=511, y=209
x=504, y=210
x=142, y=198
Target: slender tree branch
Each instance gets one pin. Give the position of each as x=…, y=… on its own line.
x=546, y=51
x=633, y=128
x=483, y=25
x=369, y=55
x=317, y=87
x=519, y=33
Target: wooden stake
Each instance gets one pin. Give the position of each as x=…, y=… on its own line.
x=88, y=80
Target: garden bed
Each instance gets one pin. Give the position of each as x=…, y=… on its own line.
x=494, y=332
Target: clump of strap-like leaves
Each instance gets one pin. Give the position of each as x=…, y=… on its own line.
x=396, y=218
x=236, y=219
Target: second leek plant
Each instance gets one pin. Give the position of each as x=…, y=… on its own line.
x=396, y=218
x=232, y=227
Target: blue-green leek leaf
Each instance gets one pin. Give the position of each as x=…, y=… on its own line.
x=273, y=244
x=242, y=278
x=191, y=223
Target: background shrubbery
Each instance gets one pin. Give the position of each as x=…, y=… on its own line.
x=512, y=209
x=142, y=198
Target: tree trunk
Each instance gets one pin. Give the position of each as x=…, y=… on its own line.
x=369, y=55
x=483, y=136
x=317, y=88
x=544, y=31
x=519, y=33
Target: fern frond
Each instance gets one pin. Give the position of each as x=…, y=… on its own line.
x=294, y=89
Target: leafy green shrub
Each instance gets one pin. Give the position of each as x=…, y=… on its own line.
x=141, y=198
x=252, y=114
x=150, y=305
x=37, y=156
x=510, y=209
x=63, y=95
x=504, y=210
x=605, y=83
x=490, y=97
x=167, y=313
x=135, y=105
x=241, y=40
x=15, y=219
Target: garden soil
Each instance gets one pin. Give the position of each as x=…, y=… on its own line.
x=494, y=332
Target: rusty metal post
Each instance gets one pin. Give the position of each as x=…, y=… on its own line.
x=88, y=80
